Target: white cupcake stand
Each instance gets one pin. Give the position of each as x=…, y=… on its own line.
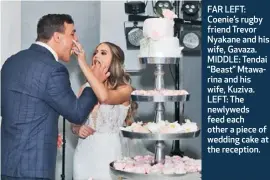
x=159, y=115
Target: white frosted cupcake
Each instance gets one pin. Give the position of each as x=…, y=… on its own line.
x=153, y=127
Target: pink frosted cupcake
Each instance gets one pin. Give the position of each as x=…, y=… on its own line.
x=185, y=158
x=165, y=130
x=138, y=158
x=168, y=165
x=129, y=168
x=127, y=159
x=148, y=162
x=190, y=169
x=141, y=129
x=168, y=158
x=157, y=168
x=179, y=164
x=147, y=168
x=119, y=165
x=139, y=169
x=142, y=168
x=149, y=157
x=139, y=163
x=176, y=157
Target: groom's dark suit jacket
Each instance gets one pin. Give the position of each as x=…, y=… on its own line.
x=35, y=90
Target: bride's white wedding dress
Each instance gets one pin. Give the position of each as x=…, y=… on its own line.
x=93, y=154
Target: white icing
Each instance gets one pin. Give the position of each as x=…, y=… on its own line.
x=159, y=40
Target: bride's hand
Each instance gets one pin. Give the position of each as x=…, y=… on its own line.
x=78, y=51
x=59, y=141
x=100, y=71
x=85, y=131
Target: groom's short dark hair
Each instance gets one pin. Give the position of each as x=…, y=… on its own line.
x=51, y=23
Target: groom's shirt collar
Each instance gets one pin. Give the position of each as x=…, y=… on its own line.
x=49, y=48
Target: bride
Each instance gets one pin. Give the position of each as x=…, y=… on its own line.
x=100, y=142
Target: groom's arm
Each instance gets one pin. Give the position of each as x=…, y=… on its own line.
x=62, y=98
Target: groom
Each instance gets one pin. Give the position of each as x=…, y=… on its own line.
x=35, y=90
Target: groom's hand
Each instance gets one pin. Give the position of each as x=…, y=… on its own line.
x=100, y=71
x=85, y=131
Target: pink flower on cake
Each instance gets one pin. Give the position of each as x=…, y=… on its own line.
x=155, y=35
x=168, y=14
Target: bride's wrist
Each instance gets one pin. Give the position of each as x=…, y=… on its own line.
x=82, y=60
x=83, y=64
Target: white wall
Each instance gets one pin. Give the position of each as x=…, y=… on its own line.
x=10, y=29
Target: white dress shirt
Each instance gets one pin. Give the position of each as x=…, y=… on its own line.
x=49, y=48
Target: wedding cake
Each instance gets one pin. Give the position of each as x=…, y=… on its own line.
x=159, y=40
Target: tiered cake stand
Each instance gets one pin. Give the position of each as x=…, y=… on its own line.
x=159, y=115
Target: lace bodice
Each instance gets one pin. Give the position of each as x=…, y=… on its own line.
x=109, y=118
